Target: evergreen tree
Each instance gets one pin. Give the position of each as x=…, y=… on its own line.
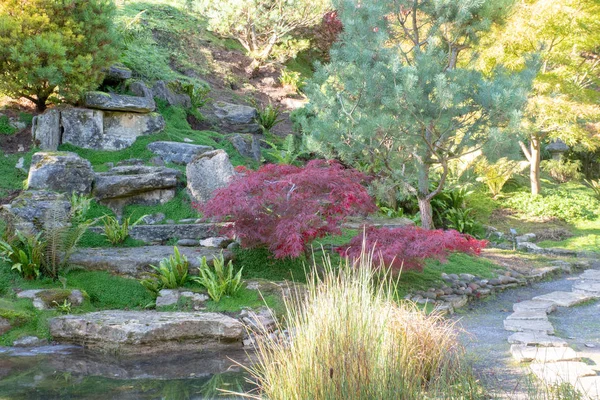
x=564, y=101
x=399, y=100
x=51, y=48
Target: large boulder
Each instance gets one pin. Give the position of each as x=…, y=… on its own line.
x=60, y=171
x=178, y=153
x=45, y=130
x=139, y=88
x=29, y=210
x=161, y=90
x=82, y=127
x=247, y=145
x=208, y=172
x=118, y=102
x=125, y=185
x=116, y=74
x=232, y=118
x=122, y=129
x=148, y=331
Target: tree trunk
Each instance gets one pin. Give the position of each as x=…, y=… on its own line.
x=534, y=165
x=40, y=103
x=426, y=213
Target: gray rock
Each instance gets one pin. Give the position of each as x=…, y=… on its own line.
x=161, y=90
x=564, y=299
x=233, y=118
x=247, y=145
x=536, y=339
x=522, y=325
x=136, y=261
x=125, y=185
x=219, y=241
x=590, y=275
x=156, y=161
x=30, y=341
x=21, y=165
x=5, y=326
x=529, y=315
x=535, y=305
x=131, y=162
x=120, y=129
x=262, y=320
x=153, y=218
x=587, y=288
x=187, y=242
x=147, y=331
x=528, y=237
x=207, y=173
x=118, y=102
x=178, y=153
x=457, y=301
x=60, y=172
x=82, y=127
x=139, y=88
x=167, y=297
x=556, y=373
x=45, y=130
x=166, y=232
x=44, y=299
x=117, y=73
x=28, y=211
x=522, y=353
x=233, y=246
x=196, y=298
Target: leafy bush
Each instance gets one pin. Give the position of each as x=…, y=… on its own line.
x=284, y=207
x=25, y=254
x=496, y=175
x=408, y=247
x=198, y=93
x=268, y=117
x=171, y=273
x=291, y=79
x=5, y=127
x=219, y=280
x=568, y=205
x=562, y=171
x=288, y=153
x=327, y=33
x=115, y=231
x=353, y=341
x=595, y=186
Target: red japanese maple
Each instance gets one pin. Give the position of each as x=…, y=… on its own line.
x=408, y=247
x=284, y=207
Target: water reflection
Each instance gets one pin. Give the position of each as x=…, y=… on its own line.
x=69, y=372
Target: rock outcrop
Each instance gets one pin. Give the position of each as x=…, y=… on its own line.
x=161, y=90
x=62, y=172
x=208, y=172
x=45, y=130
x=118, y=102
x=247, y=145
x=178, y=153
x=148, y=331
x=232, y=118
x=28, y=211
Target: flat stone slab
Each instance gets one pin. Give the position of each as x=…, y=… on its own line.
x=163, y=233
x=522, y=325
x=118, y=102
x=589, y=386
x=587, y=288
x=135, y=261
x=529, y=315
x=564, y=299
x=561, y=372
x=148, y=331
x=178, y=153
x=591, y=275
x=523, y=353
x=536, y=339
x=535, y=305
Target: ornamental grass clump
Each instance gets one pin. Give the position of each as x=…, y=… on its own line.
x=351, y=340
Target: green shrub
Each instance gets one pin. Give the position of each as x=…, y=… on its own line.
x=115, y=231
x=496, y=175
x=562, y=171
x=268, y=117
x=25, y=253
x=568, y=205
x=171, y=273
x=5, y=127
x=291, y=79
x=287, y=153
x=219, y=280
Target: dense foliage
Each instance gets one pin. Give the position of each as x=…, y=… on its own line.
x=400, y=97
x=408, y=247
x=568, y=205
x=284, y=207
x=50, y=48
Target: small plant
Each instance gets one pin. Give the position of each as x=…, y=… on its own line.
x=390, y=212
x=198, y=94
x=80, y=205
x=288, y=153
x=562, y=171
x=64, y=307
x=460, y=219
x=25, y=254
x=5, y=127
x=496, y=175
x=219, y=280
x=115, y=231
x=268, y=117
x=291, y=79
x=594, y=185
x=171, y=273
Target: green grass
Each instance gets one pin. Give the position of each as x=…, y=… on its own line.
x=245, y=298
x=586, y=237
x=12, y=178
x=178, y=208
x=5, y=126
x=258, y=263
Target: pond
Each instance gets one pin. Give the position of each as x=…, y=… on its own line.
x=70, y=372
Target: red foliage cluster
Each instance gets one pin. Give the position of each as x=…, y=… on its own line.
x=409, y=246
x=284, y=207
x=327, y=32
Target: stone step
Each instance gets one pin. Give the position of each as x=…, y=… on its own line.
x=142, y=332
x=587, y=288
x=523, y=325
x=529, y=315
x=589, y=386
x=523, y=353
x=561, y=372
x=163, y=233
x=564, y=299
x=591, y=275
x=536, y=339
x=535, y=305
x=136, y=261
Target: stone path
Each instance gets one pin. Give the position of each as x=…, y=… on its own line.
x=552, y=361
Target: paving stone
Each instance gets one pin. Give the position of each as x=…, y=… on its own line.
x=564, y=299
x=534, y=305
x=523, y=353
x=561, y=372
x=587, y=288
x=591, y=275
x=529, y=315
x=522, y=325
x=589, y=386
x=536, y=339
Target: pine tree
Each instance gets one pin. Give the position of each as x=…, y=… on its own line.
x=399, y=99
x=51, y=48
